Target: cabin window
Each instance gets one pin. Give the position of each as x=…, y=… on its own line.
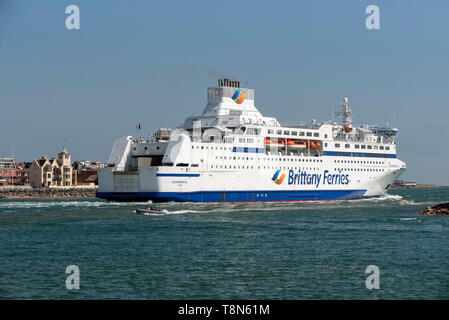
x=316, y=134
x=357, y=146
x=241, y=140
x=309, y=134
x=375, y=147
x=252, y=131
x=294, y=133
x=370, y=147
x=387, y=148
x=270, y=131
x=287, y=133
x=381, y=147
x=337, y=145
x=363, y=146
x=279, y=132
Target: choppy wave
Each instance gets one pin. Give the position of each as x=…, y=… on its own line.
x=386, y=201
x=30, y=204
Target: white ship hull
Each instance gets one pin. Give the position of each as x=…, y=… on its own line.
x=161, y=184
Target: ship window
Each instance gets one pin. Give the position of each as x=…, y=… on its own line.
x=337, y=145
x=370, y=147
x=357, y=146
x=347, y=145
x=381, y=147
x=316, y=134
x=387, y=148
x=270, y=131
x=287, y=133
x=294, y=133
x=279, y=132
x=363, y=146
x=309, y=134
x=253, y=131
x=375, y=147
x=241, y=140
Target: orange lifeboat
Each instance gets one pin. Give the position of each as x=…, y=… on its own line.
x=315, y=144
x=295, y=144
x=347, y=128
x=279, y=142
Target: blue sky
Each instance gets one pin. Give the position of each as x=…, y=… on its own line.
x=150, y=62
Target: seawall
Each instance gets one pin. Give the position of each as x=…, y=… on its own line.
x=27, y=192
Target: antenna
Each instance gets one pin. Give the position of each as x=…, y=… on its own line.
x=394, y=119
x=332, y=115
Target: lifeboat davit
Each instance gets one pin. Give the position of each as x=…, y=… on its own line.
x=278, y=143
x=315, y=144
x=293, y=144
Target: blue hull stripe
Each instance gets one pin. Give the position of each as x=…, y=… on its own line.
x=177, y=174
x=358, y=154
x=234, y=196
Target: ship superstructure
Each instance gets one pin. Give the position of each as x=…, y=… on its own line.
x=233, y=153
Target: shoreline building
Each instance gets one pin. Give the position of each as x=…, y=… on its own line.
x=51, y=172
x=8, y=174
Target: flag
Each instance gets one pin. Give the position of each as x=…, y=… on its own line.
x=138, y=127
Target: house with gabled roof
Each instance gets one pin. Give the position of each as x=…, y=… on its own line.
x=52, y=172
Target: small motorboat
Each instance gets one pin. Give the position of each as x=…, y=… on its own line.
x=150, y=210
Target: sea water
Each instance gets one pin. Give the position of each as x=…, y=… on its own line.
x=305, y=250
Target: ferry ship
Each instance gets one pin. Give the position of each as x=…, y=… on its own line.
x=232, y=153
